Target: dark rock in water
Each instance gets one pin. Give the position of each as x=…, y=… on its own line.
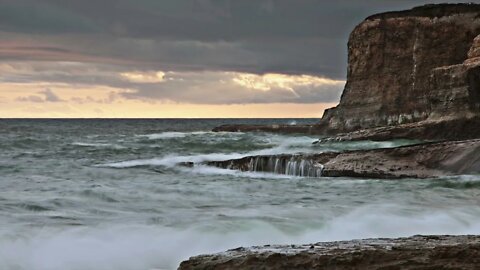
x=417, y=161
x=417, y=252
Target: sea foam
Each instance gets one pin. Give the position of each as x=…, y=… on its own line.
x=132, y=247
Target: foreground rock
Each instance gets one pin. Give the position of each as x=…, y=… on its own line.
x=417, y=252
x=417, y=161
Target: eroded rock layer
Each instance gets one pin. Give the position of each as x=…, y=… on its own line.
x=409, y=66
x=417, y=252
x=417, y=161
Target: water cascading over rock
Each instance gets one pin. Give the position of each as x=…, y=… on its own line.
x=294, y=165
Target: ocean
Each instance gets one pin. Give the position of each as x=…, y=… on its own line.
x=109, y=194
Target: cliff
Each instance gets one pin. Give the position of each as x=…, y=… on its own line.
x=417, y=65
x=417, y=252
x=411, y=74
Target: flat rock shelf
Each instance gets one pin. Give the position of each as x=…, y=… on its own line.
x=417, y=252
x=415, y=161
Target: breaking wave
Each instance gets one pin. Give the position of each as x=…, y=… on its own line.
x=138, y=247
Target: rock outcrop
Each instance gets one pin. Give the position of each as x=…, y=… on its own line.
x=415, y=66
x=451, y=129
x=417, y=252
x=416, y=161
x=410, y=66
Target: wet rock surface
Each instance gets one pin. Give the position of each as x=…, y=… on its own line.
x=417, y=252
x=447, y=129
x=417, y=161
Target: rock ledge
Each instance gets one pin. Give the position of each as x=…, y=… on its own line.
x=417, y=252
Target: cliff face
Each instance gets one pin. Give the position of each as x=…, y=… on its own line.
x=409, y=66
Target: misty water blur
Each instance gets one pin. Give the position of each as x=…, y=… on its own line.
x=108, y=194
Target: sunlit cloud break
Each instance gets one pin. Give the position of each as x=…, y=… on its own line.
x=202, y=87
x=271, y=81
x=144, y=77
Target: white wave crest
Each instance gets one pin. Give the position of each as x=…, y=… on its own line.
x=208, y=170
x=164, y=135
x=92, y=144
x=171, y=161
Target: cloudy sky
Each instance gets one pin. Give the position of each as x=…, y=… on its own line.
x=176, y=58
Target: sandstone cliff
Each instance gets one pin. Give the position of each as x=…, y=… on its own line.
x=421, y=64
x=411, y=74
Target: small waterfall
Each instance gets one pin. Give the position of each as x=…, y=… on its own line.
x=295, y=165
x=289, y=165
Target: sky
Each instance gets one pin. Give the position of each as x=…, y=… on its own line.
x=177, y=58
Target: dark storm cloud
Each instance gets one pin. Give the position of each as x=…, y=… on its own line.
x=257, y=36
x=41, y=17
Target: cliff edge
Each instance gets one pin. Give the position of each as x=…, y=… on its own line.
x=410, y=66
x=411, y=74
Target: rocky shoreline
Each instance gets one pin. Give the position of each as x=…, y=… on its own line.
x=452, y=129
x=417, y=161
x=462, y=128
x=412, y=74
x=417, y=252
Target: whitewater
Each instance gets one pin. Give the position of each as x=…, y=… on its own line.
x=112, y=194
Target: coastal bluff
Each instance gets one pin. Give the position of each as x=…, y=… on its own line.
x=410, y=66
x=407, y=70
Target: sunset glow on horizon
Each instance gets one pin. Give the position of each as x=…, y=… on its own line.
x=39, y=89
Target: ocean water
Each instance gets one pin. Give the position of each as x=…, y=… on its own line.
x=107, y=194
